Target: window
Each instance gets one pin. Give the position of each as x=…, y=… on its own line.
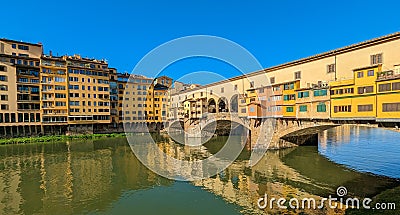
x=331, y=68
x=396, y=86
x=4, y=97
x=235, y=87
x=371, y=72
x=252, y=84
x=343, y=108
x=365, y=108
x=272, y=80
x=60, y=104
x=222, y=90
x=3, y=78
x=297, y=75
x=243, y=110
x=303, y=108
x=321, y=107
x=376, y=59
x=369, y=89
x=14, y=46
x=3, y=68
x=391, y=107
x=3, y=88
x=323, y=92
x=289, y=109
x=384, y=87
x=360, y=74
x=23, y=47
x=289, y=97
x=304, y=94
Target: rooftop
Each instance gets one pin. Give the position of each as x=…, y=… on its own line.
x=21, y=42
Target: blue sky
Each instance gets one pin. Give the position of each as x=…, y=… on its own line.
x=123, y=32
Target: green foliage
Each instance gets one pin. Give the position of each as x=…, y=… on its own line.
x=56, y=138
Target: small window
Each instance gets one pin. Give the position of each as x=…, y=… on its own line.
x=371, y=72
x=365, y=108
x=376, y=59
x=289, y=109
x=360, y=74
x=303, y=108
x=222, y=90
x=14, y=46
x=272, y=80
x=331, y=68
x=297, y=75
x=235, y=87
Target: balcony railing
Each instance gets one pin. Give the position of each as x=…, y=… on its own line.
x=388, y=75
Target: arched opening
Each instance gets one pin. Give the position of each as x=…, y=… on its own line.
x=212, y=106
x=234, y=104
x=222, y=105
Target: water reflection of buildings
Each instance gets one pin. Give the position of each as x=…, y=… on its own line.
x=76, y=176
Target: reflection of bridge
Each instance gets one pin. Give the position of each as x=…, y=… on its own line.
x=270, y=132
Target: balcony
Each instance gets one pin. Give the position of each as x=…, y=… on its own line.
x=48, y=99
x=387, y=75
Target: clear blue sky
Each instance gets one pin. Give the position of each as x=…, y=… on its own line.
x=123, y=32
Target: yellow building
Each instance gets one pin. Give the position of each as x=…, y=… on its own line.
x=53, y=91
x=289, y=98
x=355, y=99
x=89, y=93
x=157, y=100
x=388, y=96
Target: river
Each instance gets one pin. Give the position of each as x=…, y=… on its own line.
x=104, y=177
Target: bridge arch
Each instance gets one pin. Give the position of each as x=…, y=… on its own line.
x=212, y=106
x=223, y=105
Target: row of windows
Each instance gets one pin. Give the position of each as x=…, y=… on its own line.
x=369, y=73
x=391, y=107
x=342, y=108
x=342, y=91
x=289, y=97
x=89, y=103
x=365, y=108
x=389, y=87
x=321, y=107
x=49, y=71
x=25, y=62
x=20, y=117
x=21, y=47
x=76, y=87
x=87, y=72
x=76, y=79
x=77, y=110
x=368, y=89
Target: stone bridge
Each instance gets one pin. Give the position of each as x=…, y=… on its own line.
x=268, y=132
